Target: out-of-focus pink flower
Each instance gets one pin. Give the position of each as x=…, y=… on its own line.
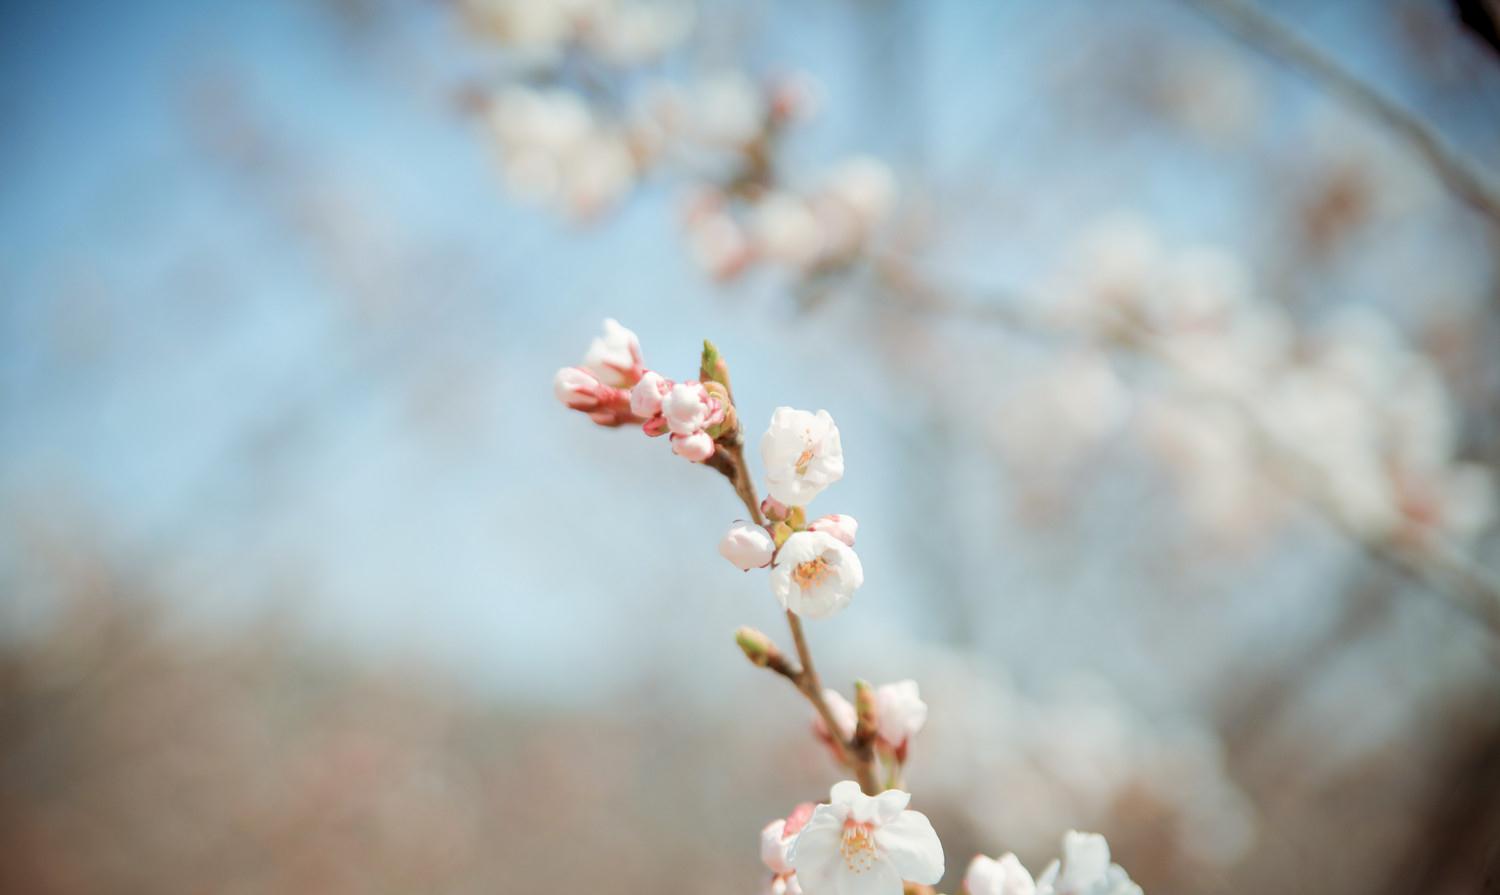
x=843, y=713
x=902, y=714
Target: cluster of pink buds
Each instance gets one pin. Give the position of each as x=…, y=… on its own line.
x=600, y=386
x=695, y=413
x=614, y=388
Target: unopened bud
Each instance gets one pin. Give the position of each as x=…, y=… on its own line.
x=773, y=509
x=866, y=707
x=756, y=646
x=712, y=368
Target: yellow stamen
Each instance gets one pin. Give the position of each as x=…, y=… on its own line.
x=804, y=460
x=811, y=573
x=858, y=846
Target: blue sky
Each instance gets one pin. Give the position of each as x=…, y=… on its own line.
x=310, y=372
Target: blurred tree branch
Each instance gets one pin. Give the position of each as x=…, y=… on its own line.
x=1264, y=33
x=1444, y=568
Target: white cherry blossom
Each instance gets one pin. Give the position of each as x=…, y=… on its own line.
x=843, y=713
x=865, y=845
x=802, y=455
x=815, y=574
x=998, y=876
x=1085, y=869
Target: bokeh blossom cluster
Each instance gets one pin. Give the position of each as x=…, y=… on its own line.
x=863, y=839
x=585, y=114
x=1346, y=414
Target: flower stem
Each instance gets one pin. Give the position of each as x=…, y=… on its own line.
x=731, y=462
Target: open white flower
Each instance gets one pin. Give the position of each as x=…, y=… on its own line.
x=615, y=357
x=747, y=545
x=815, y=574
x=902, y=713
x=1002, y=876
x=802, y=455
x=865, y=845
x=1085, y=870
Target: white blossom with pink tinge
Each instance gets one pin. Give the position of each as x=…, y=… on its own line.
x=1085, y=869
x=815, y=574
x=866, y=845
x=802, y=454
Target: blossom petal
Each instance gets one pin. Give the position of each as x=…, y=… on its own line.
x=1085, y=860
x=845, y=794
x=913, y=848
x=815, y=854
x=890, y=804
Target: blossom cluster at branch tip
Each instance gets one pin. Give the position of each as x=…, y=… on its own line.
x=614, y=388
x=600, y=386
x=857, y=844
x=1085, y=869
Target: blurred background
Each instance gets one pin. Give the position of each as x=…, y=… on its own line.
x=1164, y=341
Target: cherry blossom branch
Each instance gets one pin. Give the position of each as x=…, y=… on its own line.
x=805, y=676
x=1442, y=567
x=1273, y=38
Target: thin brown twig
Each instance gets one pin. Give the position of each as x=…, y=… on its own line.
x=1266, y=34
x=805, y=677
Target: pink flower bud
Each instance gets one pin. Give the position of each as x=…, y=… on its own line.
x=799, y=818
x=655, y=426
x=841, y=527
x=773, y=509
x=613, y=408
x=577, y=388
x=582, y=391
x=615, y=357
x=646, y=397
x=748, y=546
x=696, y=447
x=686, y=408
